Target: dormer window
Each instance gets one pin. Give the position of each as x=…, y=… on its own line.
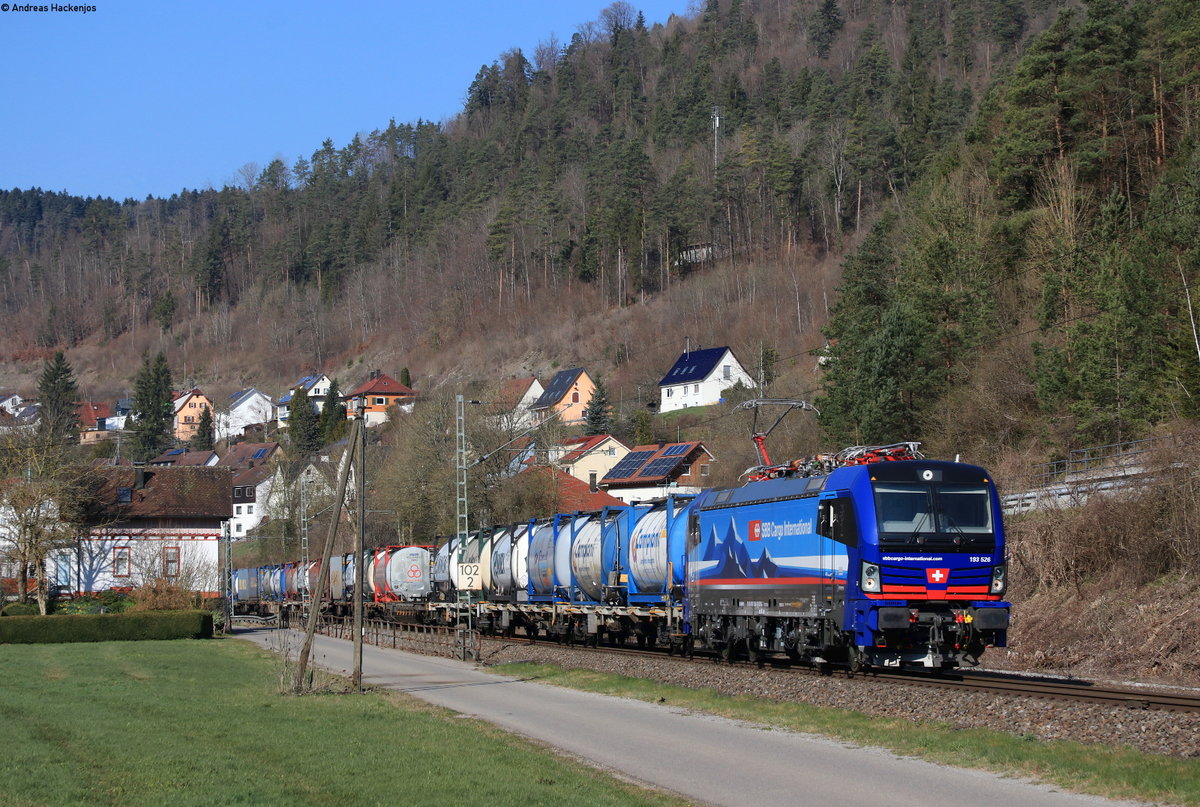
x=124, y=495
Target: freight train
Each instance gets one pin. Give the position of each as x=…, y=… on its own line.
x=875, y=557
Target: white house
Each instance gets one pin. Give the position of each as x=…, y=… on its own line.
x=317, y=387
x=10, y=402
x=513, y=402
x=160, y=523
x=246, y=408
x=251, y=492
x=699, y=377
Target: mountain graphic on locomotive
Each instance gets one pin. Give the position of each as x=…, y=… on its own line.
x=873, y=557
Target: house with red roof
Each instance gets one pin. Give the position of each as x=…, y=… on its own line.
x=569, y=493
x=566, y=396
x=588, y=458
x=653, y=471
x=379, y=393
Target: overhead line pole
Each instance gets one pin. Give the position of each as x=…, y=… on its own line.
x=360, y=571
x=323, y=579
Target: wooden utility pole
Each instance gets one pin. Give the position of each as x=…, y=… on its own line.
x=314, y=607
x=359, y=443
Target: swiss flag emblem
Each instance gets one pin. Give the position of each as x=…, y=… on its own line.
x=755, y=530
x=937, y=577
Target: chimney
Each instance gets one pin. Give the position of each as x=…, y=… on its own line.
x=139, y=475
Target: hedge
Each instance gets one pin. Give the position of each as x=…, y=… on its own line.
x=134, y=626
x=20, y=609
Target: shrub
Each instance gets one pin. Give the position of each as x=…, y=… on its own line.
x=136, y=626
x=102, y=602
x=20, y=609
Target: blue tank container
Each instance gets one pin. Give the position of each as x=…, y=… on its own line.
x=655, y=554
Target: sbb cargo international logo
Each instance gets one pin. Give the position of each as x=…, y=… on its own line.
x=755, y=530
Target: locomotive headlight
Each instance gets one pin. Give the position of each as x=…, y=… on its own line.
x=999, y=578
x=869, y=579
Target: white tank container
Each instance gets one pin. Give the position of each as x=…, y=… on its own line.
x=520, y=558
x=501, y=576
x=408, y=572
x=587, y=556
x=648, y=551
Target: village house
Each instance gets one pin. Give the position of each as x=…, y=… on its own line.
x=566, y=396
x=153, y=524
x=93, y=421
x=699, y=377
x=10, y=403
x=653, y=471
x=181, y=457
x=249, y=487
x=247, y=407
x=188, y=409
x=379, y=393
x=511, y=411
x=588, y=458
x=316, y=386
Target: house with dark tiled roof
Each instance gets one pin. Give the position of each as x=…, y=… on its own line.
x=652, y=471
x=181, y=457
x=159, y=524
x=588, y=458
x=566, y=396
x=699, y=377
x=379, y=394
x=247, y=407
x=244, y=456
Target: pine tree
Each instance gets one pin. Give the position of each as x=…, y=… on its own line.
x=333, y=423
x=643, y=428
x=58, y=392
x=597, y=415
x=204, y=438
x=152, y=410
x=304, y=428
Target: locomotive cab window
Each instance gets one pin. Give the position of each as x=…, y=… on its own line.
x=937, y=514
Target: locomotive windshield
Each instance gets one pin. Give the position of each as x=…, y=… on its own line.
x=937, y=515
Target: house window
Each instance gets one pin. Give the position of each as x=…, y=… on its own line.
x=238, y=510
x=170, y=561
x=249, y=509
x=124, y=495
x=685, y=469
x=192, y=405
x=574, y=397
x=120, y=564
x=237, y=527
x=697, y=390
x=381, y=401
x=670, y=392
x=704, y=469
x=187, y=418
x=592, y=481
x=726, y=372
x=237, y=492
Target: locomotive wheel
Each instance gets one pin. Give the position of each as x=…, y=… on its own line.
x=727, y=652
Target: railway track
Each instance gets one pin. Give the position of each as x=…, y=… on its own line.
x=984, y=681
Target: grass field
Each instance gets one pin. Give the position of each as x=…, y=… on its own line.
x=202, y=723
x=1113, y=772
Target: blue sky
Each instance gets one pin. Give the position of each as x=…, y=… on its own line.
x=148, y=98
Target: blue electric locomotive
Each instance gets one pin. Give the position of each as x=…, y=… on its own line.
x=886, y=563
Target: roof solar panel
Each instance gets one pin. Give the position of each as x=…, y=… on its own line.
x=629, y=465
x=660, y=466
x=682, y=448
x=258, y=455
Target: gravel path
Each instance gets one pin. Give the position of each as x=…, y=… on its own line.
x=1156, y=732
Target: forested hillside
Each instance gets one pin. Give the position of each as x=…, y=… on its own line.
x=596, y=202
x=1037, y=285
